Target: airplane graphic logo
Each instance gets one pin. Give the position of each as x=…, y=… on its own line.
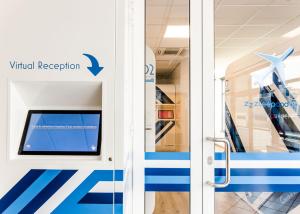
x=276, y=67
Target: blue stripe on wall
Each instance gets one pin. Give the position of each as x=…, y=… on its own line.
x=39, y=184
x=71, y=205
x=167, y=179
x=260, y=188
x=19, y=188
x=266, y=180
x=48, y=191
x=87, y=209
x=118, y=208
x=259, y=156
x=258, y=172
x=118, y=175
x=167, y=156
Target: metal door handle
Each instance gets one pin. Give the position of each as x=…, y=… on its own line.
x=227, y=160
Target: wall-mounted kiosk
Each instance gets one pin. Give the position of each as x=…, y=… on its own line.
x=61, y=149
x=84, y=128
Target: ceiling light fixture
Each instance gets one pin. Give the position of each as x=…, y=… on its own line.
x=292, y=33
x=177, y=31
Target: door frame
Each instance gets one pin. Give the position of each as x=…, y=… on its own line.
x=201, y=92
x=196, y=104
x=208, y=107
x=136, y=46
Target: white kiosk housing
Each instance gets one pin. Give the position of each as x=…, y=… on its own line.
x=61, y=55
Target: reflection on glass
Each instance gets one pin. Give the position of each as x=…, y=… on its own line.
x=257, y=53
x=167, y=100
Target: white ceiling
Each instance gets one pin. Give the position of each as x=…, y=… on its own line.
x=160, y=14
x=241, y=26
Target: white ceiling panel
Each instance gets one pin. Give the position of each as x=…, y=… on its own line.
x=276, y=15
x=226, y=52
x=279, y=12
x=156, y=12
x=217, y=2
x=261, y=42
x=178, y=21
x=252, y=31
x=179, y=11
x=157, y=2
x=155, y=21
x=285, y=28
x=153, y=30
x=234, y=15
x=236, y=43
x=159, y=14
x=166, y=2
x=218, y=41
x=223, y=31
x=180, y=2
x=241, y=26
x=171, y=42
x=151, y=42
x=286, y=2
x=258, y=22
x=246, y=2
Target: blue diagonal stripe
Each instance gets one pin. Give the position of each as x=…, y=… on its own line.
x=48, y=191
x=19, y=188
x=32, y=191
x=166, y=123
x=233, y=132
x=102, y=198
x=71, y=205
x=163, y=97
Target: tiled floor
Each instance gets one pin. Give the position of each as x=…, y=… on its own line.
x=231, y=203
x=280, y=203
x=265, y=203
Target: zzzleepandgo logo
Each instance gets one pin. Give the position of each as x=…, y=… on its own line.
x=45, y=66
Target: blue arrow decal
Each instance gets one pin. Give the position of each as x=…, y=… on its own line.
x=95, y=68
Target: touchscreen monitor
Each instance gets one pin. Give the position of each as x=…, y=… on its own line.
x=64, y=132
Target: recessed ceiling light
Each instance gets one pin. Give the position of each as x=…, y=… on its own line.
x=292, y=33
x=177, y=31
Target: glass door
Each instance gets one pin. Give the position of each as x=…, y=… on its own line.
x=257, y=112
x=167, y=104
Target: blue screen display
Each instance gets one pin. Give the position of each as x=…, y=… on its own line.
x=62, y=132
